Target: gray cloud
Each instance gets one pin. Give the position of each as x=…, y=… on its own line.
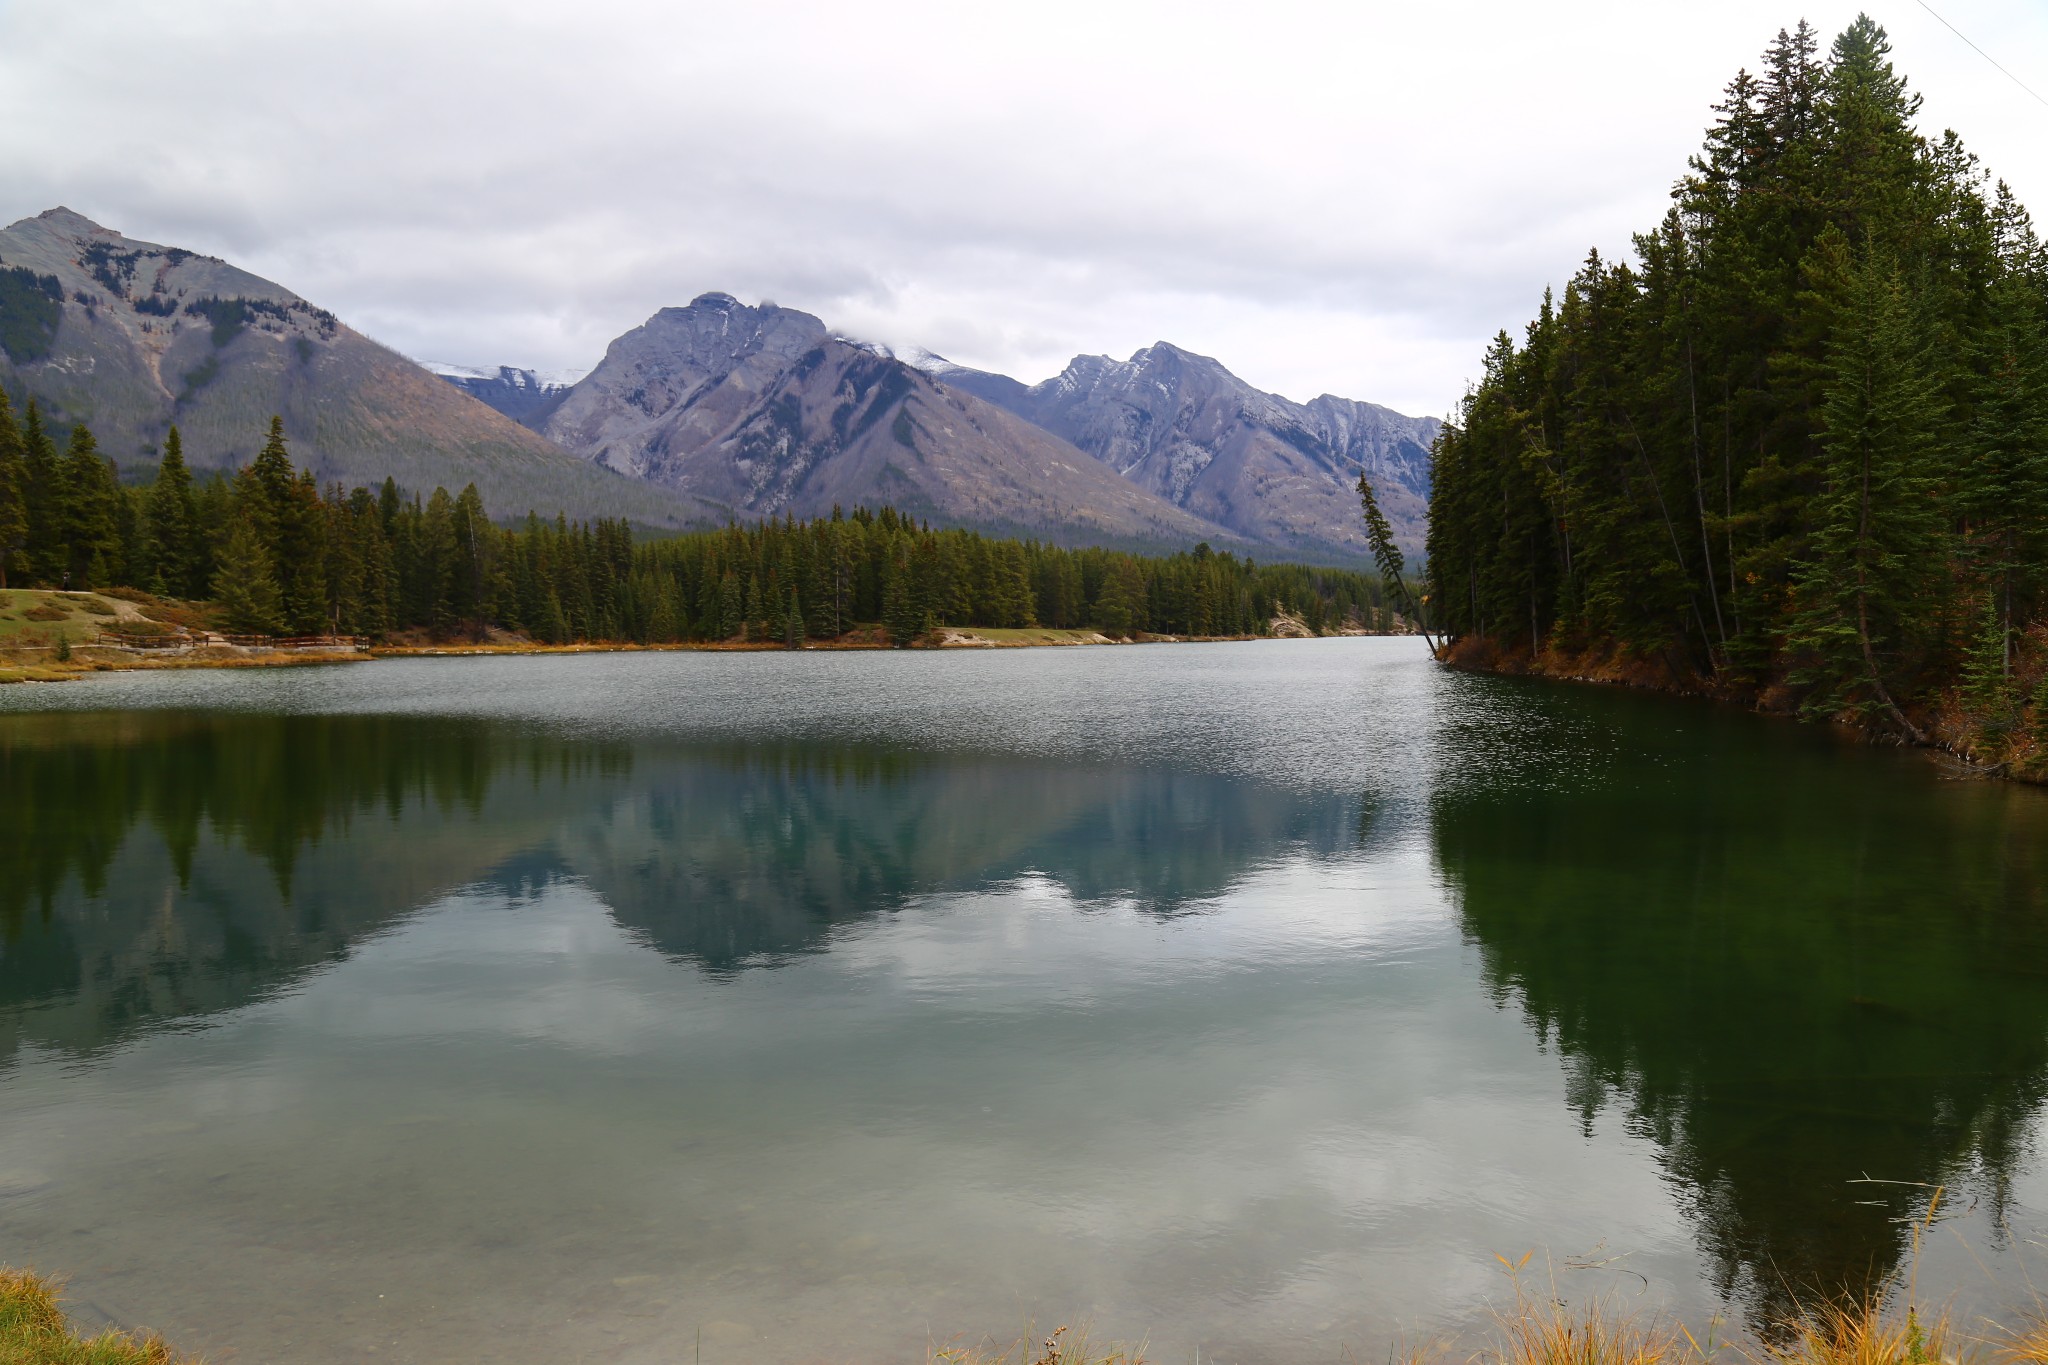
x=1347, y=199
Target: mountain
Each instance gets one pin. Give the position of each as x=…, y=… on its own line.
x=526, y=396
x=1181, y=426
x=129, y=337
x=762, y=411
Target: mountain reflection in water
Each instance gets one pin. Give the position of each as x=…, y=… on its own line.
x=280, y=840
x=1784, y=969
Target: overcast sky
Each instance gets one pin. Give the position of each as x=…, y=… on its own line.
x=1327, y=197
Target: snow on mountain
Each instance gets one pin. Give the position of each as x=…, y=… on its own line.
x=526, y=396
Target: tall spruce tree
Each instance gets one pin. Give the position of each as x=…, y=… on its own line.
x=14, y=496
x=48, y=508
x=174, y=525
x=301, y=558
x=91, y=525
x=1878, y=539
x=244, y=584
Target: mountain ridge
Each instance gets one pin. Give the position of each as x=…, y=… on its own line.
x=1265, y=467
x=710, y=411
x=1246, y=467
x=763, y=410
x=128, y=337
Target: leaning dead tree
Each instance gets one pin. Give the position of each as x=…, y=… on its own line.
x=1387, y=555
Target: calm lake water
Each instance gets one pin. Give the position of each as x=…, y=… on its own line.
x=1250, y=998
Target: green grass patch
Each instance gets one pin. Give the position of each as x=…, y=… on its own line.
x=32, y=616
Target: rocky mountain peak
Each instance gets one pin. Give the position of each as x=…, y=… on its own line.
x=763, y=410
x=131, y=337
x=72, y=221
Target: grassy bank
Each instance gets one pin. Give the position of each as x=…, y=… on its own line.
x=33, y=1331
x=1535, y=1328
x=1541, y=1329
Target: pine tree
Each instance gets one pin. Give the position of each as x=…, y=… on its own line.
x=245, y=586
x=902, y=614
x=732, y=619
x=91, y=528
x=793, y=637
x=1878, y=539
x=173, y=525
x=265, y=498
x=2003, y=491
x=438, y=552
x=2040, y=708
x=46, y=503
x=1120, y=605
x=269, y=479
x=300, y=556
x=476, y=559
x=554, y=624
x=14, y=495
x=1987, y=678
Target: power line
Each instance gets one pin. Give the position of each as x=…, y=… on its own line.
x=1982, y=53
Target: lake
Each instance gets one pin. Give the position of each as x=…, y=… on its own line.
x=1258, y=999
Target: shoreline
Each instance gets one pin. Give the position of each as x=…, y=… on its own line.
x=120, y=630
x=1948, y=743
x=88, y=658
x=1882, y=1326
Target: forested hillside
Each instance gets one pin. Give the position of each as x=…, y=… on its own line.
x=1797, y=447
x=277, y=553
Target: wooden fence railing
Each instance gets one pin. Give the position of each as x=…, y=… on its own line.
x=127, y=641
x=297, y=641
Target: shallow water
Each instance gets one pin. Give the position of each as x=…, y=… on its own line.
x=1250, y=998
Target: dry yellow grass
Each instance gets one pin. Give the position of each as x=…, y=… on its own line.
x=1534, y=1331
x=2026, y=1344
x=1545, y=1332
x=1867, y=1333
x=33, y=1331
x=1063, y=1347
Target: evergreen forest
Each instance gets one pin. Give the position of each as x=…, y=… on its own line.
x=1796, y=448
x=277, y=554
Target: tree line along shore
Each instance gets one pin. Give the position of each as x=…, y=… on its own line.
x=269, y=552
x=1796, y=451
